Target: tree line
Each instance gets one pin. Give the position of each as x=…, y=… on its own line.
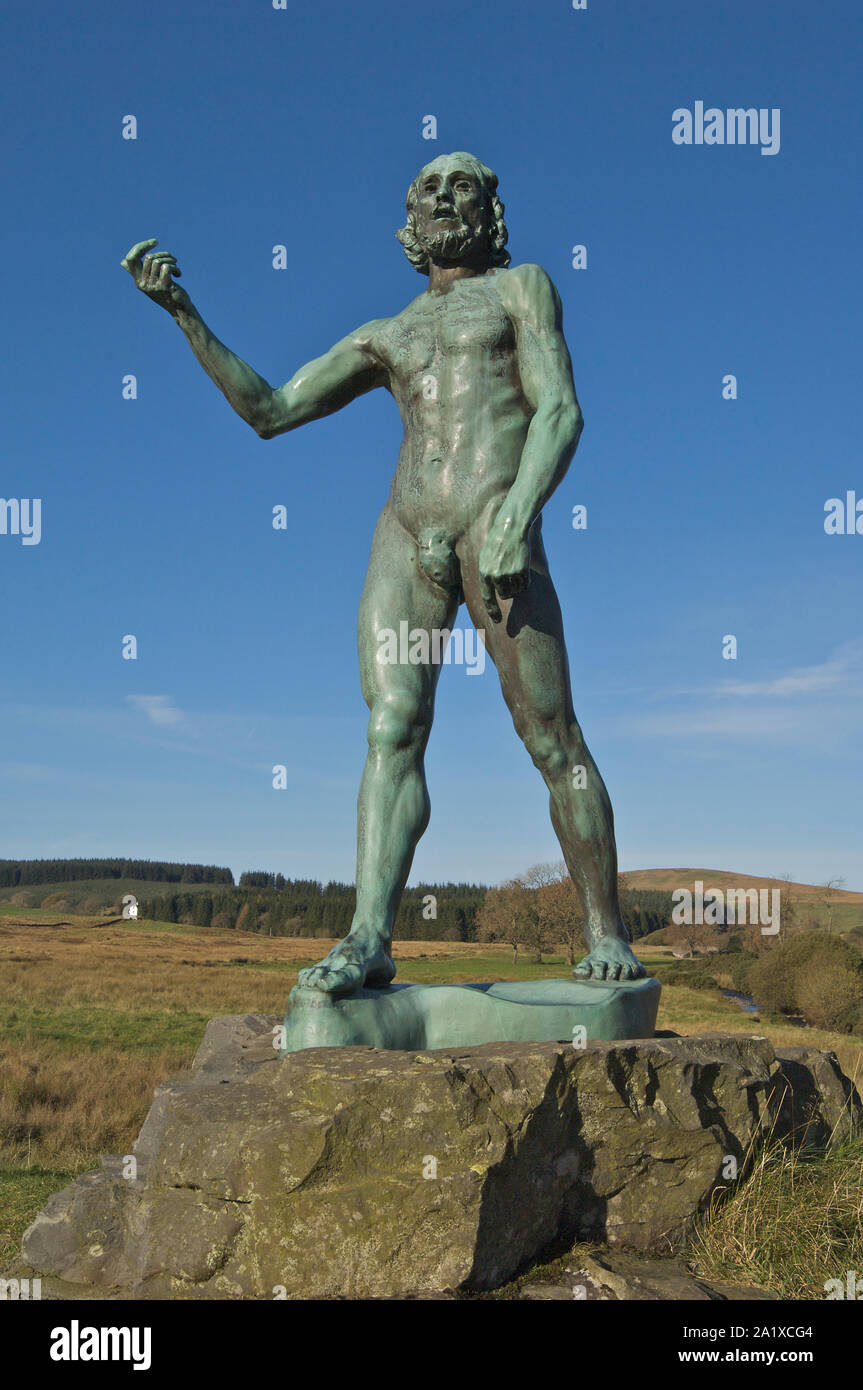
x=538, y=911
x=304, y=907
x=16, y=873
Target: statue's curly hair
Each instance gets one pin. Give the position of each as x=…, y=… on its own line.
x=407, y=235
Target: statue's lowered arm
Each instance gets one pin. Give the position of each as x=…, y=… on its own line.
x=546, y=377
x=324, y=385
x=552, y=438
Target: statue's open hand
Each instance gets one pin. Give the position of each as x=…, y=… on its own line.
x=504, y=568
x=153, y=275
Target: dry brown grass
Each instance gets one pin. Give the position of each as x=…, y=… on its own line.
x=796, y=1222
x=97, y=1016
x=62, y=1108
x=154, y=966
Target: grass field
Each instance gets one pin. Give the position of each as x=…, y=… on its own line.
x=95, y=1016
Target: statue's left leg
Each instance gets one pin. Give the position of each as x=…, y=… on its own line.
x=528, y=649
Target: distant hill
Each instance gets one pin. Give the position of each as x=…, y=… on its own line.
x=92, y=894
x=666, y=880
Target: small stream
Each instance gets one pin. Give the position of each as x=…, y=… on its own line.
x=745, y=1001
x=749, y=1006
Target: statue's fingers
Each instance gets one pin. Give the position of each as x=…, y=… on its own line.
x=489, y=598
x=515, y=584
x=155, y=268
x=510, y=585
x=131, y=260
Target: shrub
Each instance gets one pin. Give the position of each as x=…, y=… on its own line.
x=740, y=970
x=814, y=974
x=56, y=900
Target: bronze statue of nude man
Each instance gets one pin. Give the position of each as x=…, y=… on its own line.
x=482, y=378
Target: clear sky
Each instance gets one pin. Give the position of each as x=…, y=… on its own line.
x=303, y=127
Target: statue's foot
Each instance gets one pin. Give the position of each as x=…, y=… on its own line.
x=610, y=959
x=358, y=960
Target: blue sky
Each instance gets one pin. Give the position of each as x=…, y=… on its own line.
x=705, y=516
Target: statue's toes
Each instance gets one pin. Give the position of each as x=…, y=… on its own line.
x=342, y=978
x=614, y=971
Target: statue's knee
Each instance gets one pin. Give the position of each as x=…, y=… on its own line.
x=398, y=720
x=548, y=749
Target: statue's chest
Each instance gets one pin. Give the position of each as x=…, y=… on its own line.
x=459, y=323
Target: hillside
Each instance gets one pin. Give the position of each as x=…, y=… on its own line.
x=93, y=894
x=666, y=880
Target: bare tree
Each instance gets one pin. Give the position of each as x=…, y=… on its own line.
x=789, y=919
x=504, y=916
x=831, y=886
x=515, y=913
x=560, y=912
x=683, y=937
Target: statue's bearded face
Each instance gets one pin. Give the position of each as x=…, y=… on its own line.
x=451, y=212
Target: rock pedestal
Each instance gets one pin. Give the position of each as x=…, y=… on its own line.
x=351, y=1172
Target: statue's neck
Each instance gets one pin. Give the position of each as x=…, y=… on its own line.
x=443, y=276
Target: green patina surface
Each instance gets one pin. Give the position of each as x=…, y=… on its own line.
x=479, y=369
x=434, y=1016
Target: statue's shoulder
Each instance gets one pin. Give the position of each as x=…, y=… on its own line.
x=417, y=305
x=527, y=292
x=371, y=333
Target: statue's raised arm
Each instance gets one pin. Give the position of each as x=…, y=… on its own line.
x=348, y=370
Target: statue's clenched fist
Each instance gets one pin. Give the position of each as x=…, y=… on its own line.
x=504, y=565
x=153, y=274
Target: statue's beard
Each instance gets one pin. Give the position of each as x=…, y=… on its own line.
x=452, y=243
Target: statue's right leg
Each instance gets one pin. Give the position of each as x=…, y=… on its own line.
x=393, y=806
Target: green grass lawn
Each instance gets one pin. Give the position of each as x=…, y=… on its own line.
x=149, y=1032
